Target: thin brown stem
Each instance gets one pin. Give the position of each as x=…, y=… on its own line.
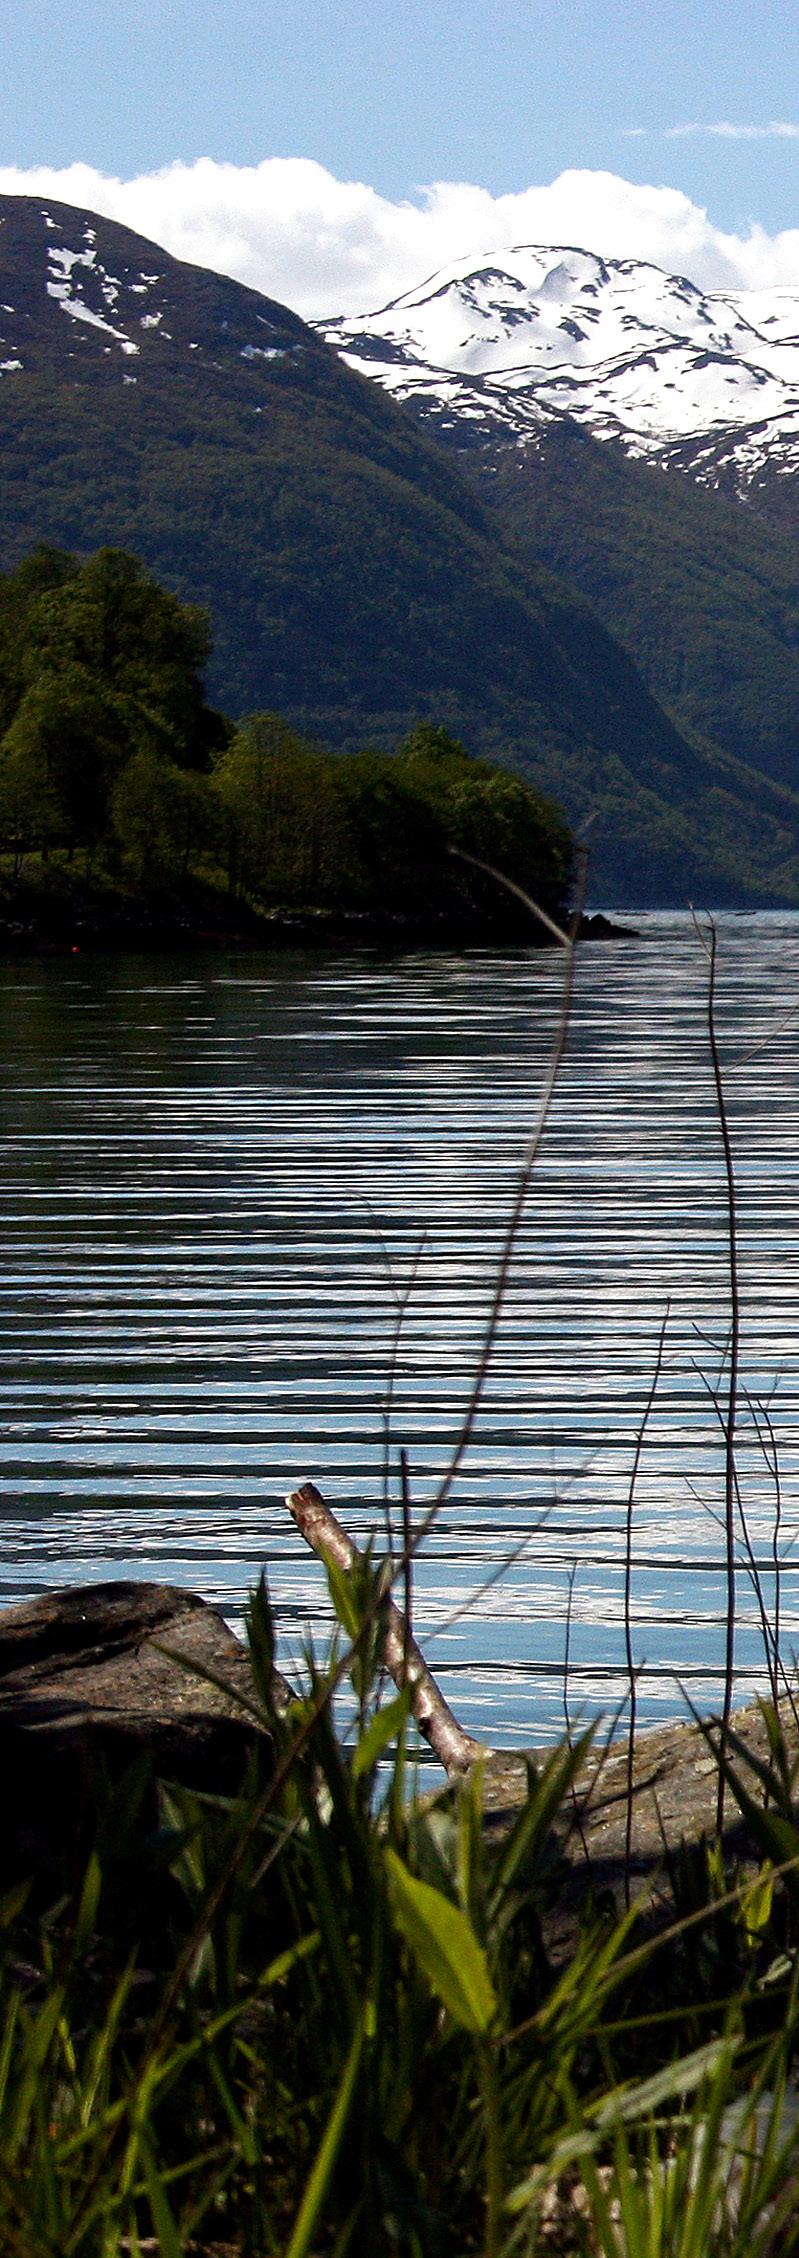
x=749, y=1563
x=709, y=943
x=401, y=1297
x=523, y=1182
x=574, y=1798
x=271, y=1791
x=762, y=1418
x=628, y=1584
x=407, y=1559
x=567, y=1642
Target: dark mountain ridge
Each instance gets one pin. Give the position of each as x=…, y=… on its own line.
x=356, y=579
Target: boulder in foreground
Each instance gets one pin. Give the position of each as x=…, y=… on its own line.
x=92, y=1678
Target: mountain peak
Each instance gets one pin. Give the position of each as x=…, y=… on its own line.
x=85, y=290
x=706, y=379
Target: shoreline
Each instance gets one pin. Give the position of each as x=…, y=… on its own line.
x=60, y=925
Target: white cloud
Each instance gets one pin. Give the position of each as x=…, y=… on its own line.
x=780, y=129
x=323, y=245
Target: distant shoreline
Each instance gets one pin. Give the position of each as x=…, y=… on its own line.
x=51, y=929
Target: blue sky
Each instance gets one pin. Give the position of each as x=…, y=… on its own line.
x=508, y=97
x=420, y=90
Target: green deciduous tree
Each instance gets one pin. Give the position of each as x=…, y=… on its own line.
x=100, y=672
x=396, y=838
x=164, y=819
x=64, y=742
x=487, y=812
x=135, y=639
x=282, y=809
x=107, y=745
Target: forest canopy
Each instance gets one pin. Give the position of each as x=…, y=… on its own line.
x=109, y=751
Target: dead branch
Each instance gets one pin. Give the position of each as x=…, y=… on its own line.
x=455, y=1749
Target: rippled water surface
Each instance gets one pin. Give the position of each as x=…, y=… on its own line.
x=220, y=1178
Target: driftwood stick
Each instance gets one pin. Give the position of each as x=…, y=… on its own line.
x=455, y=1749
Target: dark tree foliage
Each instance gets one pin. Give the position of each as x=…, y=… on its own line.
x=375, y=832
x=100, y=675
x=107, y=746
x=282, y=819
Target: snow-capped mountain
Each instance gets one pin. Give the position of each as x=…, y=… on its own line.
x=359, y=576
x=708, y=381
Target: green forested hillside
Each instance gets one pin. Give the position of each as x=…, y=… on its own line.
x=702, y=593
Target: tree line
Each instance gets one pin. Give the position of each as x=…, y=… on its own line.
x=109, y=751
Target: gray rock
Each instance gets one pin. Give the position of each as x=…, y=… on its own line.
x=90, y=1680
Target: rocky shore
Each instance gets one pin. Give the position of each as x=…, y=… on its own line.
x=674, y=1796
x=97, y=1676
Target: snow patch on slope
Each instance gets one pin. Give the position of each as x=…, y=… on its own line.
x=62, y=286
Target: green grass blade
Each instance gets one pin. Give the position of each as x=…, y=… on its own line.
x=170, y=2242
x=627, y=2104
x=318, y=2183
x=546, y=1793
x=385, y=1726
x=443, y=1941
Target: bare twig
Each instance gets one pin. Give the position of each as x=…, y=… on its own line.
x=455, y=1749
x=628, y=1578
x=770, y=1633
x=756, y=1581
x=407, y=1560
x=510, y=887
x=567, y=1641
x=709, y=943
x=494, y=1576
x=573, y=1795
x=556, y=1057
x=523, y=1182
x=272, y=1789
x=744, y=1057
x=761, y=1415
x=401, y=1296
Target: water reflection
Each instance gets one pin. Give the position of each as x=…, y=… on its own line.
x=217, y=1178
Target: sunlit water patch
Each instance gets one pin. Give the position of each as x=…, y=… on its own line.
x=220, y=1177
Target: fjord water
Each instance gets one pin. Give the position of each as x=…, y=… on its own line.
x=222, y=1174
